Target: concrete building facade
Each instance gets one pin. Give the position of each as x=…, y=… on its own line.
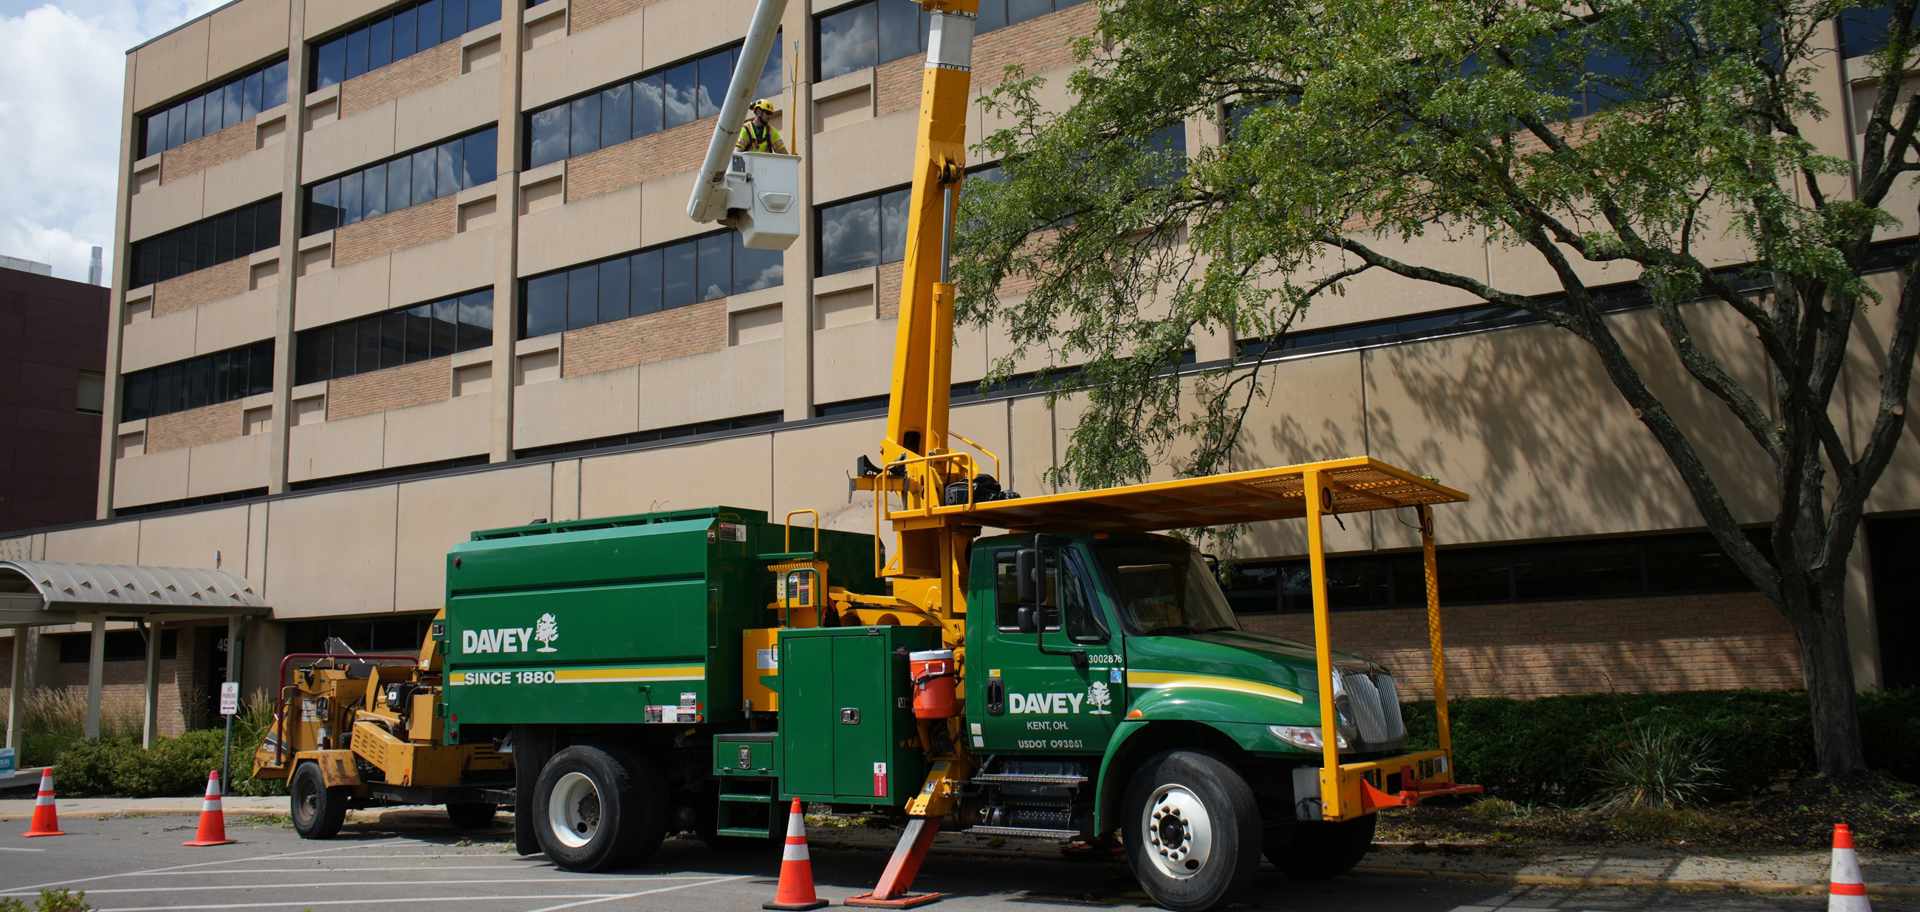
x=428, y=270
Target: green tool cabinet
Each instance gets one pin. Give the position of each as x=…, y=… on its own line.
x=847, y=733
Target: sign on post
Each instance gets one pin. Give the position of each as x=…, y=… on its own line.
x=6, y=762
x=230, y=698
x=229, y=707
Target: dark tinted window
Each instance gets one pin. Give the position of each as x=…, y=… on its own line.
x=406, y=32
x=481, y=159
x=616, y=114
x=357, y=52
x=849, y=235
x=547, y=136
x=676, y=265
x=715, y=266
x=420, y=333
x=756, y=269
x=646, y=277
x=396, y=36
x=379, y=44
x=682, y=88
x=210, y=379
x=583, y=296
x=610, y=115
x=546, y=305
x=208, y=242
x=902, y=30
x=406, y=180
x=584, y=114
x=374, y=190
x=401, y=336
x=476, y=320
x=616, y=293
x=446, y=327
x=703, y=268
x=848, y=40
x=715, y=72
x=649, y=105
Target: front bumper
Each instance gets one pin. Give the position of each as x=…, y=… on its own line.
x=1351, y=790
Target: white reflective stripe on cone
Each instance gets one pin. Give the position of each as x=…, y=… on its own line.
x=1846, y=867
x=796, y=851
x=796, y=825
x=43, y=799
x=210, y=805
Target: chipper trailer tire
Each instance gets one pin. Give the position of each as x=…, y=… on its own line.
x=318, y=811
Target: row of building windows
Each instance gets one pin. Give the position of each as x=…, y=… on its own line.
x=397, y=36
x=405, y=180
x=868, y=34
x=121, y=646
x=395, y=337
x=673, y=275
x=230, y=103
x=651, y=102
x=1646, y=566
x=222, y=376
x=743, y=422
x=208, y=242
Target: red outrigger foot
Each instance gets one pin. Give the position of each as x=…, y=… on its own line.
x=1373, y=799
x=902, y=868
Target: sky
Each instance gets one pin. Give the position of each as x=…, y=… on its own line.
x=62, y=72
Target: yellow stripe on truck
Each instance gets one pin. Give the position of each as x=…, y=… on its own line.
x=618, y=674
x=1156, y=680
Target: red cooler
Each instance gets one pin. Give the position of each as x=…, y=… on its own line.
x=935, y=686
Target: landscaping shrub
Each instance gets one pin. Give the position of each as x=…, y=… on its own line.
x=53, y=719
x=50, y=901
x=1546, y=751
x=1658, y=767
x=118, y=768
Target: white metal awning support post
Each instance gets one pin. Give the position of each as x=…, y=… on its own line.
x=150, y=714
x=17, y=689
x=96, y=674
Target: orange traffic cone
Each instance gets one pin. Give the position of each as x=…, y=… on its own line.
x=1846, y=892
x=796, y=869
x=213, y=820
x=46, y=820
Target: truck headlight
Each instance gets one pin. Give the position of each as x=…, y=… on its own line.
x=1306, y=737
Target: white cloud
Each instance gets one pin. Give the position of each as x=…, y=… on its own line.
x=62, y=72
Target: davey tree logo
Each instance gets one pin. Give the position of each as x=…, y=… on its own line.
x=1099, y=698
x=546, y=630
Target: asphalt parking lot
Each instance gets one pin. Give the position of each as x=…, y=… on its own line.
x=132, y=864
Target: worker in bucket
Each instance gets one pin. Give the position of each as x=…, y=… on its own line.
x=757, y=135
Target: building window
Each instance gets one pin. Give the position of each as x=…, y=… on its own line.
x=863, y=232
x=121, y=646
x=868, y=34
x=402, y=634
x=400, y=336
x=653, y=101
x=1863, y=30
x=206, y=380
x=232, y=102
x=659, y=278
x=405, y=180
x=1641, y=567
x=89, y=391
x=208, y=242
x=396, y=36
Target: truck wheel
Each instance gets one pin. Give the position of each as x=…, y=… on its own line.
x=1192, y=828
x=317, y=810
x=471, y=815
x=1318, y=851
x=588, y=813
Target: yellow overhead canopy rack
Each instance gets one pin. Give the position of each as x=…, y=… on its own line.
x=1355, y=485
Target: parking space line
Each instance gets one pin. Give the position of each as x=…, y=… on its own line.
x=541, y=866
x=180, y=867
x=12, y=849
x=335, y=885
x=389, y=856
x=350, y=902
x=615, y=898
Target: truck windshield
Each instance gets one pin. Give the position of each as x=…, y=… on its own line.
x=1164, y=587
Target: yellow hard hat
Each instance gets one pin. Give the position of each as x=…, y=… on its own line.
x=763, y=105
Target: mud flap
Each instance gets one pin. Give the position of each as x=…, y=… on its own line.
x=531, y=748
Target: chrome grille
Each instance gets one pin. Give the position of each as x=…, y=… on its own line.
x=1374, y=702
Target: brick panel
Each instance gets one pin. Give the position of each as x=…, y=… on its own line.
x=585, y=14
x=1039, y=45
x=202, y=286
x=1677, y=643
x=410, y=227
x=892, y=277
x=207, y=151
x=429, y=68
x=661, y=336
x=181, y=692
x=194, y=427
x=639, y=160
x=419, y=383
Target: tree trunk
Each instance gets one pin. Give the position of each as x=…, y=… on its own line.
x=1826, y=661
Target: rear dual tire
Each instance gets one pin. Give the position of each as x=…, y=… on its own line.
x=594, y=809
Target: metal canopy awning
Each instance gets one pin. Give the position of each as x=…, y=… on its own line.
x=1356, y=484
x=46, y=593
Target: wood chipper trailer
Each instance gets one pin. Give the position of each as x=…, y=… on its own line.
x=1077, y=676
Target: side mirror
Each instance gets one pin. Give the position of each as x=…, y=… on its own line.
x=1026, y=569
x=1024, y=619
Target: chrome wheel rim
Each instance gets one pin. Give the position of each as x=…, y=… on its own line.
x=1178, y=832
x=573, y=810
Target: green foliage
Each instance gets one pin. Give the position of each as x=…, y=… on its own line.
x=53, y=719
x=1657, y=767
x=117, y=767
x=1546, y=751
x=50, y=901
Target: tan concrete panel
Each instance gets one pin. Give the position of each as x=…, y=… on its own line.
x=166, y=206
x=810, y=467
x=674, y=29
x=246, y=33
x=1052, y=94
x=581, y=231
x=173, y=64
x=443, y=430
x=336, y=447
x=883, y=147
x=566, y=490
x=152, y=478
x=1033, y=445
x=732, y=472
x=450, y=108
x=1541, y=457
x=257, y=546
x=112, y=543
x=1522, y=270
x=235, y=321
x=458, y=264
x=332, y=295
x=584, y=60
x=1377, y=294
x=324, y=16
x=230, y=465
x=1311, y=410
x=349, y=143
x=332, y=553
x=206, y=540
x=437, y=514
x=985, y=422
x=247, y=179
x=158, y=340
x=861, y=363
x=663, y=210
x=576, y=408
x=24, y=547
x=1858, y=401
x=744, y=380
